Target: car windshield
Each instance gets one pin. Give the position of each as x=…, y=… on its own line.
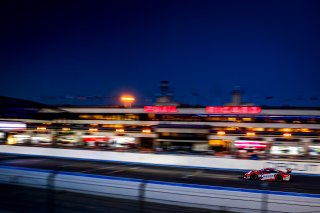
x=269, y=170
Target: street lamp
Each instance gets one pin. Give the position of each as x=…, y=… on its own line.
x=127, y=100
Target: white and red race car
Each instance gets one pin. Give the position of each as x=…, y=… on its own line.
x=268, y=174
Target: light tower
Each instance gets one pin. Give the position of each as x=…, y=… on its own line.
x=127, y=100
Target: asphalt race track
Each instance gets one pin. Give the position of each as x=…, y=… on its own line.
x=300, y=183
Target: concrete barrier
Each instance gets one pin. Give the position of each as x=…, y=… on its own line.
x=208, y=197
x=28, y=177
x=164, y=159
x=231, y=199
x=93, y=184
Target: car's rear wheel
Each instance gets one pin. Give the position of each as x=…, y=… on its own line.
x=254, y=177
x=279, y=178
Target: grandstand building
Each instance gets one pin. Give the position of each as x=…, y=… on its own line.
x=239, y=131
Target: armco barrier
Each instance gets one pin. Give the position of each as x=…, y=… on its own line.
x=162, y=159
x=208, y=197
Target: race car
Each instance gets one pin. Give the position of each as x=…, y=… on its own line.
x=268, y=174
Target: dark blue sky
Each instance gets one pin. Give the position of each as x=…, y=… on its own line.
x=104, y=48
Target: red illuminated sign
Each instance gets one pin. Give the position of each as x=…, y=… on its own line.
x=233, y=109
x=160, y=108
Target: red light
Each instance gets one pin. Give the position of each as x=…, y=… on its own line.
x=233, y=109
x=92, y=138
x=160, y=109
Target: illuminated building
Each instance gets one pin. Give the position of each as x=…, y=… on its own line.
x=219, y=128
x=222, y=129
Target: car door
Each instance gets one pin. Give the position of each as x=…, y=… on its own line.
x=268, y=174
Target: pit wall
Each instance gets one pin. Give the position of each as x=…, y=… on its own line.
x=208, y=162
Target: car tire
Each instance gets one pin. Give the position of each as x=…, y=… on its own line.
x=279, y=178
x=254, y=177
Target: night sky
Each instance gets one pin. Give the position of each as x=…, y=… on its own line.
x=270, y=49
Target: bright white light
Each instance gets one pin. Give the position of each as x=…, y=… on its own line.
x=12, y=125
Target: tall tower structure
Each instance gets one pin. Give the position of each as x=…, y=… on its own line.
x=166, y=96
x=164, y=88
x=236, y=97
